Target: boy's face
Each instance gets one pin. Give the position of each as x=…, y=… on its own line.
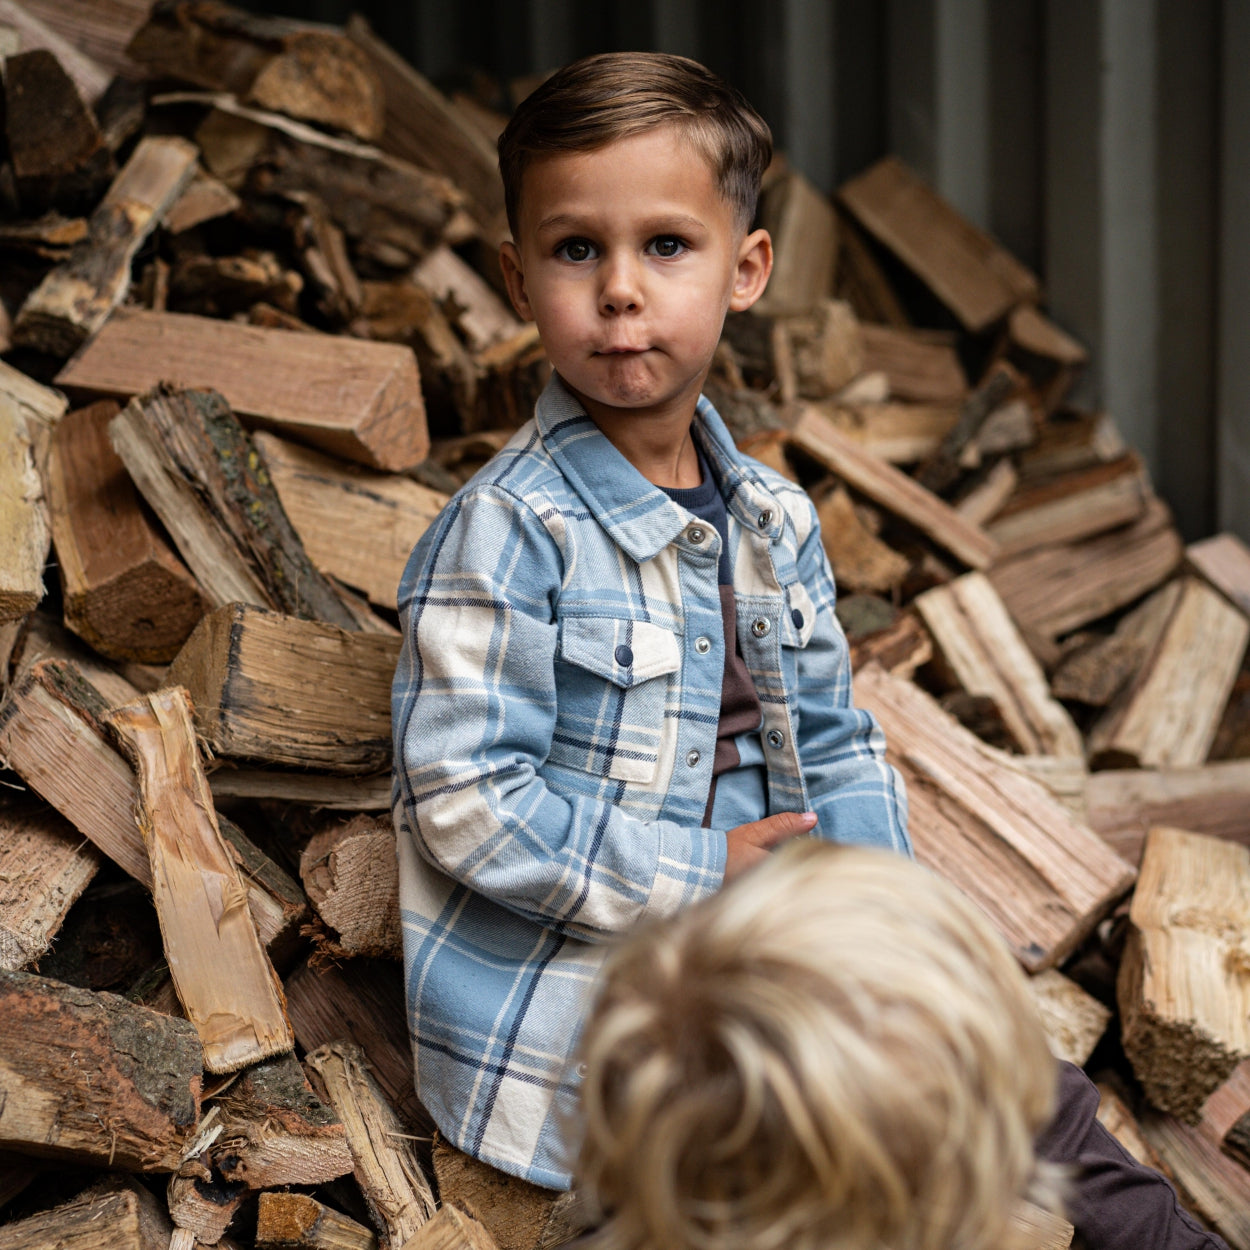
x=628, y=258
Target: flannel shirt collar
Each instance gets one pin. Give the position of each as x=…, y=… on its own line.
x=639, y=516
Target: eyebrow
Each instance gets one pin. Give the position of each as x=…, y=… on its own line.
x=654, y=225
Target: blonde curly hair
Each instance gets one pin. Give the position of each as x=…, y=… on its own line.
x=836, y=1051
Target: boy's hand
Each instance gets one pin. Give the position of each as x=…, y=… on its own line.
x=748, y=844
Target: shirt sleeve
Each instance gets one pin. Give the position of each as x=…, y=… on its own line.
x=858, y=797
x=473, y=711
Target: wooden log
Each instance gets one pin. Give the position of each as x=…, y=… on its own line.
x=1074, y=1020
x=125, y=592
x=199, y=895
x=422, y=126
x=365, y=1006
x=860, y=278
x=967, y=270
x=314, y=73
x=1224, y=561
x=354, y=399
x=818, y=437
x=1168, y=716
x=93, y=1078
x=466, y=298
x=921, y=368
x=941, y=470
x=357, y=525
x=352, y=877
x=35, y=25
x=861, y=561
x=394, y=1187
x=986, y=496
x=1056, y=589
x=900, y=647
x=451, y=1229
x=1114, y=1115
x=1034, y=1228
x=825, y=349
x=290, y=692
x=985, y=653
x=92, y=1221
x=1051, y=359
x=899, y=433
x=1070, y=441
x=1216, y=1187
x=44, y=866
x=74, y=299
x=1184, y=981
x=289, y=1221
x=1043, y=879
x=58, y=156
x=23, y=515
x=1226, y=1115
x=369, y=793
x=98, y=29
x=1212, y=799
x=40, y=406
x=224, y=286
x=197, y=468
x=804, y=229
x=204, y=198
x=1071, y=507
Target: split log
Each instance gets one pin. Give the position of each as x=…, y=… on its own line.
x=58, y=156
x=1069, y=442
x=819, y=438
x=860, y=560
x=201, y=1209
x=204, y=198
x=200, y=897
x=825, y=348
x=93, y=1078
x=314, y=73
x=466, y=299
x=921, y=368
x=124, y=590
x=351, y=874
x=40, y=406
x=1051, y=359
x=370, y=793
x=395, y=1189
x=967, y=270
x=74, y=299
x=423, y=127
x=365, y=1006
x=100, y=29
x=1034, y=1228
x=1042, y=878
x=1216, y=1187
x=1226, y=1115
x=357, y=525
x=23, y=515
x=985, y=497
x=1074, y=1020
x=1169, y=715
x=289, y=1221
x=354, y=399
x=112, y=1219
x=35, y=25
x=290, y=692
x=899, y=433
x=512, y=376
x=987, y=656
x=1072, y=507
x=276, y=1131
x=1184, y=980
x=941, y=470
x=451, y=1229
x=44, y=866
x=1054, y=590
x=804, y=229
x=900, y=647
x=1225, y=562
x=197, y=468
x=1213, y=799
x=1115, y=1116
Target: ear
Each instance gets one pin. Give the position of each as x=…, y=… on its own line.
x=514, y=279
x=755, y=263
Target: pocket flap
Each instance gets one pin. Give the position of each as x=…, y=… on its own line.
x=624, y=652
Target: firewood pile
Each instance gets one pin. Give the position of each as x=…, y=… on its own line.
x=252, y=336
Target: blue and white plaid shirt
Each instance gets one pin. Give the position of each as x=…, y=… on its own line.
x=555, y=711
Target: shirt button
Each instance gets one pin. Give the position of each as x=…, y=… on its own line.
x=693, y=758
x=760, y=627
x=765, y=518
x=797, y=617
x=696, y=534
x=776, y=739
x=703, y=645
x=624, y=656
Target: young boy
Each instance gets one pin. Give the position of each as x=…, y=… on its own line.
x=745, y=1090
x=622, y=680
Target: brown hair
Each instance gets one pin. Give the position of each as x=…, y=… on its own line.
x=610, y=96
x=836, y=1051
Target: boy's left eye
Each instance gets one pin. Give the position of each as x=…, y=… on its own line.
x=667, y=246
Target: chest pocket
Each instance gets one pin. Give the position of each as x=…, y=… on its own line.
x=799, y=618
x=612, y=689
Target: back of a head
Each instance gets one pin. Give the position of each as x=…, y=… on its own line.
x=613, y=95
x=836, y=1051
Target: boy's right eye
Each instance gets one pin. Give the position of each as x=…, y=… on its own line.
x=576, y=250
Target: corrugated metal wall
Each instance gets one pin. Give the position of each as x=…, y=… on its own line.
x=1105, y=142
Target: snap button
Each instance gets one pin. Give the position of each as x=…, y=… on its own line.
x=797, y=617
x=624, y=655
x=760, y=627
x=703, y=645
x=582, y=1069
x=693, y=758
x=696, y=534
x=776, y=738
x=765, y=518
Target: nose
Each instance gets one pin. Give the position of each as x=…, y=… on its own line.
x=621, y=291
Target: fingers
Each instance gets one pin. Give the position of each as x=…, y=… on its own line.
x=746, y=845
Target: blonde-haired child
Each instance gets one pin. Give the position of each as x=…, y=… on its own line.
x=837, y=1051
